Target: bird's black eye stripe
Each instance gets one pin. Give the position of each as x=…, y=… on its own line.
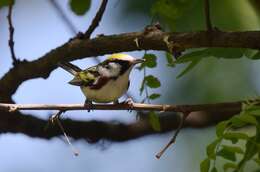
x=124, y=64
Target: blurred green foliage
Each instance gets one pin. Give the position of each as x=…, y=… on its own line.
x=212, y=74
x=4, y=3
x=249, y=150
x=80, y=7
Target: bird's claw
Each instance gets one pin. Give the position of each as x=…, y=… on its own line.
x=115, y=102
x=129, y=101
x=89, y=104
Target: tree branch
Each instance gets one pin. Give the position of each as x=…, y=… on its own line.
x=11, y=34
x=96, y=20
x=93, y=131
x=228, y=106
x=153, y=40
x=200, y=116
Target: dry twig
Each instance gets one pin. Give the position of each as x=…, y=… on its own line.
x=96, y=20
x=11, y=34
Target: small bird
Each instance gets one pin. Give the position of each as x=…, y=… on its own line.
x=105, y=82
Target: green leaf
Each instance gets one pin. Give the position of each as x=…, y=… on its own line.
x=226, y=154
x=234, y=140
x=257, y=161
x=204, y=165
x=237, y=122
x=191, y=56
x=142, y=87
x=154, y=96
x=229, y=165
x=6, y=2
x=170, y=59
x=250, y=152
x=227, y=53
x=220, y=128
x=251, y=109
x=189, y=67
x=256, y=56
x=234, y=149
x=243, y=119
x=150, y=61
x=248, y=119
x=211, y=149
x=235, y=135
x=154, y=121
x=152, y=81
x=249, y=53
x=251, y=148
x=257, y=135
x=214, y=169
x=80, y=7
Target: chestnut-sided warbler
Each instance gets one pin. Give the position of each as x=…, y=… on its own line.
x=105, y=82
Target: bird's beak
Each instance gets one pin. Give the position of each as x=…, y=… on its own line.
x=76, y=81
x=136, y=61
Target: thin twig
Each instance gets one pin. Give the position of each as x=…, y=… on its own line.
x=11, y=34
x=183, y=116
x=227, y=106
x=96, y=20
x=74, y=150
x=146, y=88
x=56, y=118
x=207, y=15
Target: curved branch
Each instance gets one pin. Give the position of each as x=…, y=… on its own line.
x=153, y=40
x=93, y=131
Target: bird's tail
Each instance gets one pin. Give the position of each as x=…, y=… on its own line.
x=69, y=67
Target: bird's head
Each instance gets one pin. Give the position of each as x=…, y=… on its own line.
x=117, y=64
x=124, y=58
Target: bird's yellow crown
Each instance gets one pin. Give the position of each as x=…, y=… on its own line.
x=120, y=56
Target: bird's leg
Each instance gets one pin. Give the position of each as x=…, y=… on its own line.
x=116, y=102
x=129, y=101
x=89, y=104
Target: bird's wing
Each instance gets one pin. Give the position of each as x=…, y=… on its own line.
x=96, y=79
x=69, y=67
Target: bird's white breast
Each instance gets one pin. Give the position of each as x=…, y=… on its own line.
x=110, y=92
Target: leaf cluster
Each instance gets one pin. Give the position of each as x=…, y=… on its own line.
x=227, y=131
x=193, y=58
x=150, y=82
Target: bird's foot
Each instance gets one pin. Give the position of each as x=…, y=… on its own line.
x=129, y=101
x=115, y=102
x=89, y=104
